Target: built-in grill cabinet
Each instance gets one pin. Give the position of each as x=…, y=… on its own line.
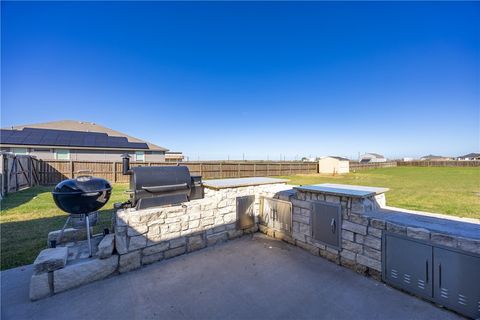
x=327, y=223
x=276, y=214
x=245, y=212
x=446, y=276
x=161, y=185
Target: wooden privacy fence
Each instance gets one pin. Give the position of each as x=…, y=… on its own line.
x=450, y=163
x=18, y=172
x=54, y=171
x=373, y=165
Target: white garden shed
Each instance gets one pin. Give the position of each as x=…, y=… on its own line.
x=333, y=165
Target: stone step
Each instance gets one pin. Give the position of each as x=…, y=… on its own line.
x=69, y=235
x=105, y=247
x=50, y=259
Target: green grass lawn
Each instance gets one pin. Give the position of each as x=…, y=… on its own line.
x=27, y=216
x=447, y=190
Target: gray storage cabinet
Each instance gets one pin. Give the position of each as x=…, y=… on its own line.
x=408, y=265
x=457, y=281
x=327, y=223
x=446, y=276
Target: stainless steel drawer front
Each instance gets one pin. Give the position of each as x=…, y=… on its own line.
x=276, y=214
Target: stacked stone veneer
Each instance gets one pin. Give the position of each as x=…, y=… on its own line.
x=361, y=238
x=361, y=234
x=145, y=236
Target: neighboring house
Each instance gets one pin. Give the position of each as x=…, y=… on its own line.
x=432, y=157
x=171, y=156
x=407, y=159
x=372, y=157
x=470, y=157
x=77, y=140
x=334, y=165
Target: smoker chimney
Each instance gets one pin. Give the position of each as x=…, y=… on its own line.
x=126, y=164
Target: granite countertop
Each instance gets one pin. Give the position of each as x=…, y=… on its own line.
x=343, y=190
x=463, y=227
x=240, y=182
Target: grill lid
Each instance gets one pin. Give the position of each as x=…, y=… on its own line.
x=82, y=195
x=162, y=179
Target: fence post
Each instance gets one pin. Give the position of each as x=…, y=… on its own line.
x=268, y=171
x=201, y=169
x=15, y=161
x=254, y=169
x=114, y=172
x=30, y=172
x=71, y=170
x=4, y=175
x=238, y=170
x=221, y=170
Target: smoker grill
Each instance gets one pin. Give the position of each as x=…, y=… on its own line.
x=161, y=185
x=81, y=198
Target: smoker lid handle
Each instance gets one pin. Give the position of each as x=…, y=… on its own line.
x=170, y=187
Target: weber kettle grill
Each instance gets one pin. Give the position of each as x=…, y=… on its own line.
x=81, y=198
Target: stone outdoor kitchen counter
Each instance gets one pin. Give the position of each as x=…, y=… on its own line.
x=145, y=236
x=218, y=184
x=343, y=190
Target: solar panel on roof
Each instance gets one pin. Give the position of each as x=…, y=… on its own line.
x=52, y=137
x=5, y=133
x=35, y=139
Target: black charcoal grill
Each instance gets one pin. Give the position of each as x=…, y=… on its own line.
x=161, y=185
x=81, y=198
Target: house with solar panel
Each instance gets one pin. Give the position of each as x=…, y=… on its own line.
x=79, y=141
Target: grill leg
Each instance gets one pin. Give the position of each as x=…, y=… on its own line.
x=87, y=222
x=63, y=230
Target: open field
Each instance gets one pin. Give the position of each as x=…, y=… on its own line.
x=447, y=190
x=27, y=216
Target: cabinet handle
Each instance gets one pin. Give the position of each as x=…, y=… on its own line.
x=440, y=275
x=426, y=271
x=332, y=226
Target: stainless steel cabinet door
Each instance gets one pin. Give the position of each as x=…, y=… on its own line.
x=276, y=214
x=245, y=212
x=457, y=281
x=408, y=265
x=327, y=223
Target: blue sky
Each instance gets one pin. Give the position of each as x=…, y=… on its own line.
x=223, y=79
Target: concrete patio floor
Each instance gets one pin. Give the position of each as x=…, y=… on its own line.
x=250, y=278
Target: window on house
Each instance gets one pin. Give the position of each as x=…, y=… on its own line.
x=20, y=151
x=62, y=154
x=139, y=156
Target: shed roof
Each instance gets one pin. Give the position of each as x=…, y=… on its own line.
x=336, y=157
